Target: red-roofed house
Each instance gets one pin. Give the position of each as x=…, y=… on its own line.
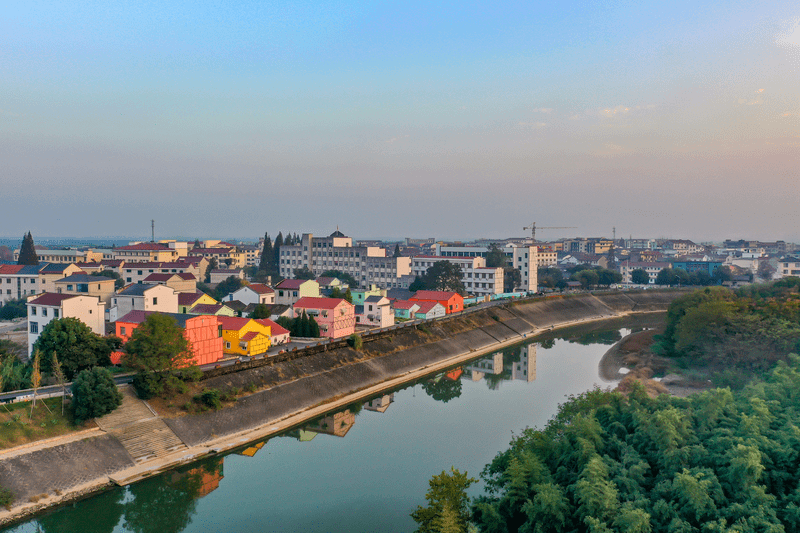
x=428, y=310
x=18, y=281
x=404, y=309
x=145, y=252
x=202, y=332
x=451, y=301
x=255, y=293
x=244, y=336
x=289, y=291
x=335, y=316
x=42, y=309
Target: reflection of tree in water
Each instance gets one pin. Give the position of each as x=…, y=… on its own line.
x=171, y=498
x=493, y=380
x=443, y=390
x=99, y=514
x=546, y=344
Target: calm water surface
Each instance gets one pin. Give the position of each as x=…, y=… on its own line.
x=361, y=469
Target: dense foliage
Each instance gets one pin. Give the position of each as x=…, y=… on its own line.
x=300, y=326
x=741, y=333
x=344, y=277
x=717, y=461
x=77, y=346
x=14, y=374
x=94, y=394
x=640, y=276
x=14, y=309
x=442, y=276
x=161, y=355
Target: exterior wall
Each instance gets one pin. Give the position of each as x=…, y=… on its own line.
x=166, y=301
x=478, y=279
x=789, y=266
x=59, y=256
x=379, y=314
x=87, y=309
x=219, y=277
x=248, y=296
x=204, y=299
x=47, y=282
x=651, y=268
x=258, y=345
x=14, y=286
x=202, y=332
x=290, y=296
x=436, y=311
x=136, y=273
x=103, y=289
x=334, y=323
x=146, y=256
x=452, y=305
x=406, y=313
x=359, y=295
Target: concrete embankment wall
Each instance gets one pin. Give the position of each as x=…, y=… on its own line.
x=295, y=386
x=313, y=380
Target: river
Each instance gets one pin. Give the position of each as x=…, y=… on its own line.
x=362, y=469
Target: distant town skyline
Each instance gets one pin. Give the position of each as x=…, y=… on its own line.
x=677, y=119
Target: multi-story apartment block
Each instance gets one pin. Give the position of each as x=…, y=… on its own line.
x=651, y=267
x=44, y=308
x=789, y=266
x=478, y=279
x=71, y=255
x=137, y=272
x=18, y=281
x=83, y=284
x=525, y=258
x=225, y=256
x=367, y=264
x=142, y=297
x=252, y=253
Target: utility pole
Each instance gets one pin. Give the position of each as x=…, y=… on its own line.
x=152, y=230
x=614, y=230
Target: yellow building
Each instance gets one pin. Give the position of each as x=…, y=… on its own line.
x=187, y=300
x=244, y=336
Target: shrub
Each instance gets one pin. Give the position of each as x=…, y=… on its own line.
x=6, y=498
x=209, y=398
x=355, y=341
x=94, y=394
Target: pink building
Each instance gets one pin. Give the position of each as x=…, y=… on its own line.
x=336, y=317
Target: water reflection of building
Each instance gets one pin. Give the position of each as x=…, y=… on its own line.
x=380, y=404
x=337, y=424
x=250, y=451
x=198, y=481
x=519, y=365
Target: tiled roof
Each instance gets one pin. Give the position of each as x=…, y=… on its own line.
x=260, y=288
x=219, y=251
x=310, y=302
x=232, y=322
x=144, y=246
x=404, y=304
x=227, y=271
x=206, y=309
x=324, y=280
x=135, y=289
x=137, y=317
x=290, y=283
x=236, y=305
x=374, y=299
x=50, y=298
x=188, y=298
x=434, y=295
x=112, y=262
x=165, y=276
x=276, y=329
x=425, y=307
x=250, y=335
x=158, y=277
x=10, y=269
x=53, y=268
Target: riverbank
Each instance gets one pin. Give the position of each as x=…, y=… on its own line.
x=329, y=381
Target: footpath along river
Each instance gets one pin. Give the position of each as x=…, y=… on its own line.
x=366, y=468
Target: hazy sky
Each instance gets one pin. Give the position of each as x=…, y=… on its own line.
x=394, y=119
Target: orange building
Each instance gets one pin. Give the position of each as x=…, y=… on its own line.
x=451, y=301
x=203, y=333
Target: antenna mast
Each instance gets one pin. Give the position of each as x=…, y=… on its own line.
x=152, y=230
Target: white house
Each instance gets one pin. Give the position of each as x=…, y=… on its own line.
x=42, y=309
x=143, y=297
x=789, y=266
x=255, y=293
x=376, y=312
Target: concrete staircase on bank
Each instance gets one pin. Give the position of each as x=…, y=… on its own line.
x=143, y=434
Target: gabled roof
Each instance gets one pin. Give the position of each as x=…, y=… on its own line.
x=250, y=335
x=276, y=329
x=136, y=289
x=291, y=283
x=375, y=299
x=232, y=323
x=218, y=251
x=166, y=276
x=226, y=271
x=260, y=288
x=310, y=302
x=207, y=309
x=405, y=304
x=426, y=306
x=324, y=280
x=188, y=298
x=53, y=268
x=236, y=305
x=112, y=262
x=50, y=298
x=10, y=269
x=137, y=317
x=144, y=246
x=434, y=295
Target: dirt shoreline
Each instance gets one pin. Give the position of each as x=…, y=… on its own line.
x=523, y=329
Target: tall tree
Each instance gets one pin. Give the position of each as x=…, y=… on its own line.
x=212, y=265
x=94, y=394
x=267, y=255
x=27, y=252
x=447, y=496
x=276, y=250
x=396, y=250
x=495, y=257
x=442, y=276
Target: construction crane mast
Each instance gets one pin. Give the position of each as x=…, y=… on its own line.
x=532, y=227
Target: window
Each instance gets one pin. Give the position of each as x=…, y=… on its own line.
x=44, y=311
x=34, y=327
x=227, y=345
x=155, y=300
x=122, y=330
x=33, y=311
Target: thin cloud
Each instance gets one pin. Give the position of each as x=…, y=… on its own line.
x=533, y=125
x=395, y=139
x=543, y=110
x=622, y=110
x=758, y=100
x=791, y=37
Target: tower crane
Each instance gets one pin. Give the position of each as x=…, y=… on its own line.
x=532, y=227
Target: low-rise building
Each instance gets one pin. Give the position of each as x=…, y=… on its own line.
x=376, y=311
x=146, y=252
x=218, y=275
x=404, y=309
x=202, y=332
x=244, y=336
x=478, y=279
x=44, y=308
x=142, y=297
x=137, y=272
x=278, y=334
x=451, y=301
x=212, y=309
x=187, y=300
x=288, y=291
x=18, y=281
x=429, y=310
x=651, y=267
x=49, y=273
x=98, y=286
x=181, y=282
x=335, y=316
x=789, y=266
x=255, y=293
